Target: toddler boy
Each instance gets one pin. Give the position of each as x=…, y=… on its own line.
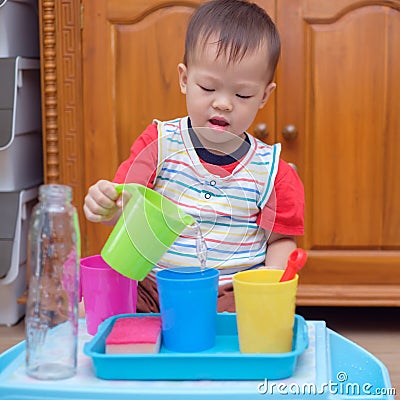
x=248, y=203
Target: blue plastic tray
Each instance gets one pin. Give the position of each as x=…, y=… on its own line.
x=223, y=362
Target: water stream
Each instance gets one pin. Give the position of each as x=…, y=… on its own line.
x=201, y=247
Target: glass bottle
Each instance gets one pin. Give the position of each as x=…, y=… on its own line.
x=52, y=307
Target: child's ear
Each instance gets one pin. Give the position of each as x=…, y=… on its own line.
x=267, y=92
x=182, y=71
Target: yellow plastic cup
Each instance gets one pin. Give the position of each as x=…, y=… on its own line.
x=146, y=229
x=265, y=311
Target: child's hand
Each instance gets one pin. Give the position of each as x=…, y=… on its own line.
x=102, y=203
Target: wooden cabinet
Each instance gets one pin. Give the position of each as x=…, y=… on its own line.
x=338, y=84
x=109, y=68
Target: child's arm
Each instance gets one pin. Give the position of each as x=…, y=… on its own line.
x=102, y=203
x=279, y=249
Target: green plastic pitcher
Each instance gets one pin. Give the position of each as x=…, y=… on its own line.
x=147, y=227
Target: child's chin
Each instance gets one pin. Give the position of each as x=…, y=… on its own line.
x=217, y=133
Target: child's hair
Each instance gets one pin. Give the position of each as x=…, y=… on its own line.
x=241, y=27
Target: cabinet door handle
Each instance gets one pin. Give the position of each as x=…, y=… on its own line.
x=289, y=132
x=261, y=131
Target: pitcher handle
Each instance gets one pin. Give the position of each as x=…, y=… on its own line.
x=129, y=187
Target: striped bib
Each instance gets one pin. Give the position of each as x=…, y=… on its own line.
x=226, y=208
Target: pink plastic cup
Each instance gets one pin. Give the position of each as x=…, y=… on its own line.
x=105, y=292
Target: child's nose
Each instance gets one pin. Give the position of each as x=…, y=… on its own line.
x=222, y=103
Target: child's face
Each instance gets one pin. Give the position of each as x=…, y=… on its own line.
x=221, y=96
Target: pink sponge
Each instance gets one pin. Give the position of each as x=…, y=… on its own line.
x=134, y=335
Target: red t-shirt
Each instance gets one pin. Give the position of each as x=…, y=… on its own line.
x=284, y=212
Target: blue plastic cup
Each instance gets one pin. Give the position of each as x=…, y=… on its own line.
x=188, y=305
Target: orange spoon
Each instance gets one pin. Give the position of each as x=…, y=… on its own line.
x=295, y=263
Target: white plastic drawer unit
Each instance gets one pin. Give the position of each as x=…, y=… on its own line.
x=19, y=28
x=15, y=211
x=21, y=159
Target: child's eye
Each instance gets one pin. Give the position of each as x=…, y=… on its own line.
x=206, y=89
x=243, y=97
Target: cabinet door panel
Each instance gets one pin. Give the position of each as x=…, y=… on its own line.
x=146, y=76
x=344, y=121
x=130, y=54
x=339, y=83
x=391, y=185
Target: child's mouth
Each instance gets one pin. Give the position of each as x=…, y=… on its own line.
x=218, y=123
